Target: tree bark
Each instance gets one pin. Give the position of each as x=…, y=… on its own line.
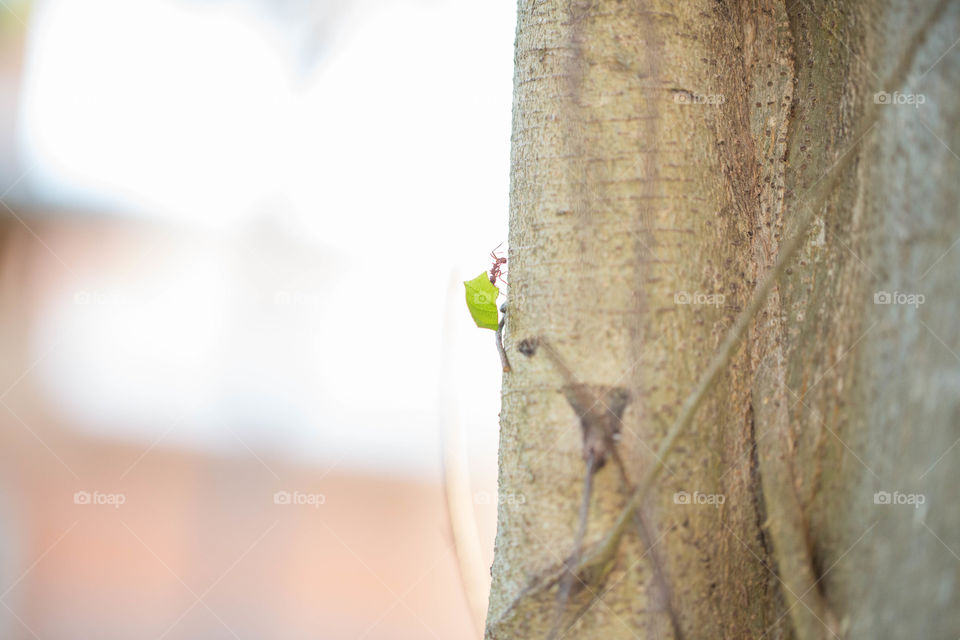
x=663, y=155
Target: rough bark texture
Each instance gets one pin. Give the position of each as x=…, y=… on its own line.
x=666, y=149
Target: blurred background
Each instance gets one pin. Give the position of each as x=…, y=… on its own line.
x=239, y=379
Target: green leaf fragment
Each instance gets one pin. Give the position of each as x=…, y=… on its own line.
x=482, y=301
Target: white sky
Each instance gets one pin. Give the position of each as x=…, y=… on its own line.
x=388, y=158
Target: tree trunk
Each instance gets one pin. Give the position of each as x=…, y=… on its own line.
x=664, y=153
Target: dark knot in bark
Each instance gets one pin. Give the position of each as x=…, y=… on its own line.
x=600, y=409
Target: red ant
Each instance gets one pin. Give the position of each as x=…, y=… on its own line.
x=495, y=273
